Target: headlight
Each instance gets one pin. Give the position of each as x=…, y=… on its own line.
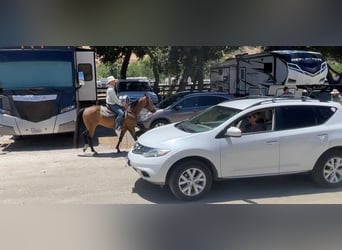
x=66, y=109
x=156, y=152
x=147, y=151
x=123, y=97
x=144, y=115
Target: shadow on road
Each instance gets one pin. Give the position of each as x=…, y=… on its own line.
x=51, y=141
x=248, y=190
x=104, y=155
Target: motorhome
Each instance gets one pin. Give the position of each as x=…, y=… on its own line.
x=42, y=88
x=255, y=74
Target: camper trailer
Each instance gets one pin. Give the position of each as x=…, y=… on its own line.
x=255, y=74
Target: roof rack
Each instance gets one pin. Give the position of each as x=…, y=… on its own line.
x=278, y=99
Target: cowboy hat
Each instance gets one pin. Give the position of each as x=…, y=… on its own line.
x=334, y=91
x=110, y=79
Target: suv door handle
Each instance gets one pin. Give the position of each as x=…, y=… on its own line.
x=272, y=142
x=323, y=137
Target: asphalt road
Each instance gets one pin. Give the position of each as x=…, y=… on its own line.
x=48, y=170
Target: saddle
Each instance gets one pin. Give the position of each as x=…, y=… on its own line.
x=106, y=111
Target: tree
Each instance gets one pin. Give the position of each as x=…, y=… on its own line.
x=115, y=53
x=190, y=61
x=123, y=54
x=158, y=57
x=183, y=62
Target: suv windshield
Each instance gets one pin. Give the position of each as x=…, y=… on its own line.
x=133, y=86
x=207, y=120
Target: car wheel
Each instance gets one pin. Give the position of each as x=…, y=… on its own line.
x=190, y=180
x=328, y=169
x=159, y=123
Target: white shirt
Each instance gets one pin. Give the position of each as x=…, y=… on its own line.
x=111, y=97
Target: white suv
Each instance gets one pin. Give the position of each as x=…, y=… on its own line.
x=292, y=136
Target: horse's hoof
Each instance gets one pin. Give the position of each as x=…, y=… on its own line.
x=95, y=153
x=85, y=148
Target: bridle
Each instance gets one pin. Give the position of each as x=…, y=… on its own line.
x=134, y=111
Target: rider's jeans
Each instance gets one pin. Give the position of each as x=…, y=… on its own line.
x=116, y=108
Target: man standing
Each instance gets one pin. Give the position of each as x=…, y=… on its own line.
x=286, y=92
x=335, y=95
x=114, y=102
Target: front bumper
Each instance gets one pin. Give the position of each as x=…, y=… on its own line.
x=141, y=126
x=152, y=169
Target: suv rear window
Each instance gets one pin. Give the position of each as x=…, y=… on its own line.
x=292, y=117
x=210, y=100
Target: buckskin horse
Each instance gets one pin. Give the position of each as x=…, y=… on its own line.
x=92, y=116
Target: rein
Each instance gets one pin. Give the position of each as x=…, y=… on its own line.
x=134, y=108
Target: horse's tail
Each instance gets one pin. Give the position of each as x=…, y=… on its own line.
x=79, y=124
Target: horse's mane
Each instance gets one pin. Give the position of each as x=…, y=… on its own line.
x=134, y=103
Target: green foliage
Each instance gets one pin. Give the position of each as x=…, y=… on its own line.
x=335, y=65
x=104, y=70
x=140, y=68
x=182, y=61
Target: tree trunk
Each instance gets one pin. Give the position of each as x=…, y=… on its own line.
x=155, y=69
x=156, y=77
x=199, y=71
x=124, y=67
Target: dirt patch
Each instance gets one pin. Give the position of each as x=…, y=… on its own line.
x=126, y=143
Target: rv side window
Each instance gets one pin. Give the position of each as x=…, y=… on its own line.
x=243, y=74
x=267, y=67
x=86, y=68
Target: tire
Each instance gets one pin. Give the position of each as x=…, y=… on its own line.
x=328, y=169
x=159, y=123
x=190, y=180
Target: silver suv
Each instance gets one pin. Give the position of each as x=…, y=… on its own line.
x=243, y=138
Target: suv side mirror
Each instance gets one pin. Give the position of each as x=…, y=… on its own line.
x=233, y=132
x=178, y=107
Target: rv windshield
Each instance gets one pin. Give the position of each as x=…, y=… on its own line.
x=41, y=74
x=35, y=70
x=308, y=61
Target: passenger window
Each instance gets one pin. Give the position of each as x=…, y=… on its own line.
x=209, y=100
x=297, y=117
x=189, y=102
x=256, y=121
x=221, y=99
x=324, y=113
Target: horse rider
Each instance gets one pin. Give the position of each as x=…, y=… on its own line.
x=113, y=101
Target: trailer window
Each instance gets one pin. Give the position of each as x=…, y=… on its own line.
x=243, y=74
x=87, y=70
x=267, y=67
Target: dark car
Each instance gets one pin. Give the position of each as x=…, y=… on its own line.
x=181, y=106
